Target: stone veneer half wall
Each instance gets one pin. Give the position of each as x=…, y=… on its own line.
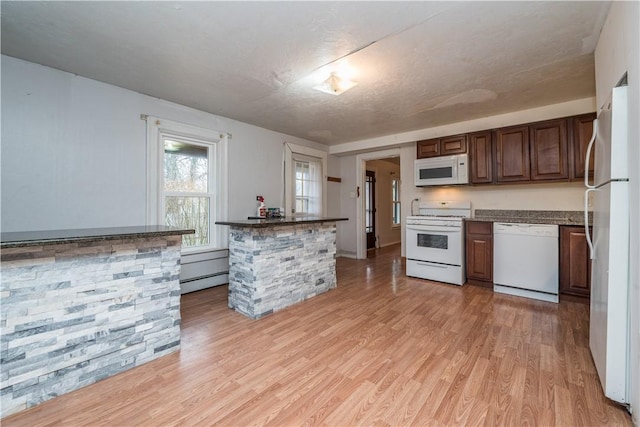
x=272, y=268
x=75, y=313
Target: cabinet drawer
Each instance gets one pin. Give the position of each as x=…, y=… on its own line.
x=478, y=227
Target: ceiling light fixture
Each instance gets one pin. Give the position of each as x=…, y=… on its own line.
x=335, y=85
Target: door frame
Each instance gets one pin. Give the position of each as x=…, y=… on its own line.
x=372, y=189
x=361, y=160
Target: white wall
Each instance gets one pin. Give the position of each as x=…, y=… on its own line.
x=617, y=52
x=386, y=233
x=348, y=205
x=73, y=152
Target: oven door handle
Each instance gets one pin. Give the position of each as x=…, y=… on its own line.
x=431, y=264
x=434, y=228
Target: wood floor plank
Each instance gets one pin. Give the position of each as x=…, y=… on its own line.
x=563, y=407
x=382, y=349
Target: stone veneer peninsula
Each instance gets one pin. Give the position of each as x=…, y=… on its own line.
x=275, y=263
x=82, y=305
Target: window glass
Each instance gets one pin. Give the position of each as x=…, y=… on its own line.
x=308, y=187
x=187, y=197
x=186, y=167
x=395, y=197
x=192, y=213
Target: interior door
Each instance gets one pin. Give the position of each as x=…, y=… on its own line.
x=370, y=209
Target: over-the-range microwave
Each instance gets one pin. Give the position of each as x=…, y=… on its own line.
x=445, y=170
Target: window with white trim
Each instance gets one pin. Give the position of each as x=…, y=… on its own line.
x=188, y=188
x=187, y=181
x=395, y=201
x=308, y=185
x=305, y=180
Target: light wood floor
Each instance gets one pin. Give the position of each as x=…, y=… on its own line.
x=381, y=349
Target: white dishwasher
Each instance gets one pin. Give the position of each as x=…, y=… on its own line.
x=525, y=260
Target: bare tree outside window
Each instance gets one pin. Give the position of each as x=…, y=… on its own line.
x=187, y=199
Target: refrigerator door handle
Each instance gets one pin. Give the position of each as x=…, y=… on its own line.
x=588, y=156
x=586, y=220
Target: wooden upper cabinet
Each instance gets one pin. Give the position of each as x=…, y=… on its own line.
x=428, y=148
x=512, y=154
x=581, y=131
x=553, y=150
x=548, y=143
x=441, y=146
x=453, y=145
x=480, y=158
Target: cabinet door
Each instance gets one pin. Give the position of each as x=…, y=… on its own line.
x=549, y=150
x=479, y=251
x=581, y=131
x=428, y=148
x=481, y=158
x=575, y=265
x=453, y=145
x=512, y=154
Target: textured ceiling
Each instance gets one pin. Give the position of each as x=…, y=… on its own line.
x=417, y=64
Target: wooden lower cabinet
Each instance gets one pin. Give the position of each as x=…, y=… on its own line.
x=575, y=265
x=479, y=251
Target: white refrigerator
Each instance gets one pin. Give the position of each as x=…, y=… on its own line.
x=609, y=246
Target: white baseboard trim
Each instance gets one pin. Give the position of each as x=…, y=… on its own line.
x=204, y=283
x=389, y=244
x=347, y=254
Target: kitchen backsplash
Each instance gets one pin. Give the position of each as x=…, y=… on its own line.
x=548, y=196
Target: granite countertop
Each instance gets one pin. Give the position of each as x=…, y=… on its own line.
x=273, y=222
x=531, y=217
x=19, y=239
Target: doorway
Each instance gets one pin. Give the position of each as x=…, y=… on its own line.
x=370, y=208
x=362, y=165
x=380, y=207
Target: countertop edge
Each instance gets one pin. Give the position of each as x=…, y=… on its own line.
x=14, y=239
x=551, y=221
x=266, y=223
x=553, y=217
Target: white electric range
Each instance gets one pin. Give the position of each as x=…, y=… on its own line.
x=435, y=241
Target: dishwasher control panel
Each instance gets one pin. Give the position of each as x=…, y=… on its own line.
x=545, y=230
